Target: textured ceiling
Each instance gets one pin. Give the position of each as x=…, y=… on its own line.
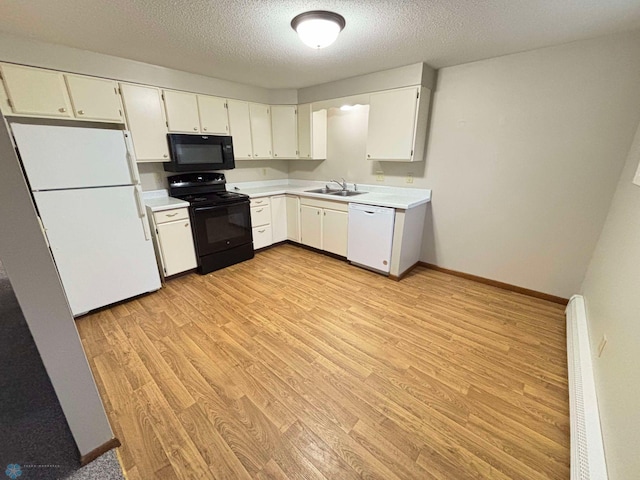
x=250, y=41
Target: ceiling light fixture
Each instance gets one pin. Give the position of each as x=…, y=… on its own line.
x=318, y=28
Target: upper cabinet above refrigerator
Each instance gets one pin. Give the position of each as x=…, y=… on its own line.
x=46, y=93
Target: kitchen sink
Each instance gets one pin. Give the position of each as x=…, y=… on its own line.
x=337, y=193
x=326, y=191
x=346, y=193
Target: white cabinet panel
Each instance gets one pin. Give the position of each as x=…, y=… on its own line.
x=33, y=91
x=176, y=245
x=304, y=131
x=94, y=98
x=285, y=131
x=260, y=116
x=182, y=111
x=213, y=115
x=319, y=135
x=392, y=124
x=145, y=119
x=293, y=218
x=240, y=129
x=312, y=133
x=335, y=226
x=311, y=226
x=279, y=218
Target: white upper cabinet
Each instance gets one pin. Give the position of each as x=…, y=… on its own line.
x=145, y=120
x=191, y=113
x=94, y=98
x=284, y=126
x=33, y=91
x=182, y=111
x=240, y=129
x=319, y=135
x=312, y=133
x=304, y=130
x=213, y=115
x=397, y=124
x=260, y=116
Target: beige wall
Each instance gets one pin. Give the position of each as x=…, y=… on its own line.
x=415, y=74
x=58, y=57
x=153, y=176
x=612, y=293
x=524, y=155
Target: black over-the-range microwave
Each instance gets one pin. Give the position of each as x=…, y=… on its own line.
x=195, y=153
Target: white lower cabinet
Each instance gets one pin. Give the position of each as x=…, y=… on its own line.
x=262, y=237
x=278, y=218
x=293, y=217
x=311, y=226
x=174, y=241
x=324, y=225
x=335, y=225
x=261, y=222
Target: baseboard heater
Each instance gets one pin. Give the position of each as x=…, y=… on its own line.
x=587, y=449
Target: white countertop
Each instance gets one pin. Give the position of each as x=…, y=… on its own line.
x=159, y=200
x=394, y=197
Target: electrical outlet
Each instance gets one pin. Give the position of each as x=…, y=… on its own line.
x=409, y=177
x=601, y=345
x=379, y=176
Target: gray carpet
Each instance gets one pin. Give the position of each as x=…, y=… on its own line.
x=35, y=434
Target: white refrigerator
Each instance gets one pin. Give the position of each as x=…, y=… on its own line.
x=86, y=188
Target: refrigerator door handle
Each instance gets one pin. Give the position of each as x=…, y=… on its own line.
x=131, y=159
x=142, y=212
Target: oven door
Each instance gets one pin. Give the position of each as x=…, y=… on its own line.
x=221, y=227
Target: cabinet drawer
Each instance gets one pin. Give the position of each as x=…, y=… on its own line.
x=260, y=216
x=262, y=237
x=171, y=215
x=260, y=202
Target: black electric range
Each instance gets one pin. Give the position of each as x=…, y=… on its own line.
x=220, y=220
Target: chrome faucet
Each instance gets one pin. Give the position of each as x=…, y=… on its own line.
x=342, y=184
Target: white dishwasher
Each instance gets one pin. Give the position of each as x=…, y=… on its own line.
x=370, y=236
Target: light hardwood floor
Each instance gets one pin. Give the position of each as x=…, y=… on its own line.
x=296, y=365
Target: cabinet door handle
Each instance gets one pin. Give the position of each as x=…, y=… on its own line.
x=80, y=112
x=204, y=129
x=165, y=156
x=318, y=212
x=258, y=211
x=62, y=109
x=172, y=214
x=261, y=231
x=186, y=224
x=195, y=129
